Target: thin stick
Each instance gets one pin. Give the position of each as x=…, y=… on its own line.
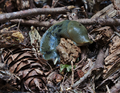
x=84, y=77
x=108, y=89
x=72, y=73
x=35, y=11
x=100, y=21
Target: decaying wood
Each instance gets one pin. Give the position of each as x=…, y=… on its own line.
x=99, y=60
x=114, y=51
x=113, y=68
x=102, y=35
x=112, y=61
x=108, y=11
x=115, y=44
x=114, y=78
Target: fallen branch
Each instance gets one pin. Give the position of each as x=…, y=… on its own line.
x=100, y=21
x=35, y=11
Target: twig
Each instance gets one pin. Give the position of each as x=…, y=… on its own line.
x=7, y=24
x=62, y=84
x=54, y=3
x=33, y=22
x=18, y=25
x=114, y=4
x=91, y=90
x=101, y=21
x=72, y=73
x=84, y=77
x=108, y=90
x=98, y=64
x=84, y=11
x=117, y=33
x=79, y=63
x=35, y=11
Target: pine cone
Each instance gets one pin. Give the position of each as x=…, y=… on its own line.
x=25, y=65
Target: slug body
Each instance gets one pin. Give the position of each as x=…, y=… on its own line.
x=67, y=29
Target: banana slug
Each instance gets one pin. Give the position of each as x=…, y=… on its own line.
x=67, y=29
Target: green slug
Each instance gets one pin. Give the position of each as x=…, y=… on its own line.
x=67, y=29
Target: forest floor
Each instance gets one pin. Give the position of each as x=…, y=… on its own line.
x=59, y=46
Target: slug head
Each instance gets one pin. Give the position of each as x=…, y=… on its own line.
x=78, y=33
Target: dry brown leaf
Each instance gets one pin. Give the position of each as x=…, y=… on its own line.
x=80, y=73
x=54, y=76
x=68, y=51
x=10, y=38
x=10, y=7
x=23, y=4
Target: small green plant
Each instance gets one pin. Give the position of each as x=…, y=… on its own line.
x=65, y=66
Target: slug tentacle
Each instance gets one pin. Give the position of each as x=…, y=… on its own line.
x=67, y=29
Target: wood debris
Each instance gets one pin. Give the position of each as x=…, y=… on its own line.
x=68, y=51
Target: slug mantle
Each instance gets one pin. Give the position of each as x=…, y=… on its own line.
x=67, y=29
